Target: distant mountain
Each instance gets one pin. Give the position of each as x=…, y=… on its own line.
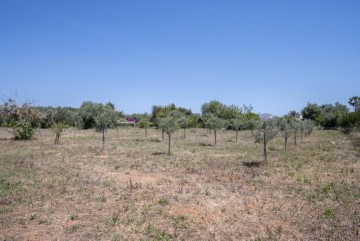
x=266, y=116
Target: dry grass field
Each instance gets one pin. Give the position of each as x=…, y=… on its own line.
x=132, y=190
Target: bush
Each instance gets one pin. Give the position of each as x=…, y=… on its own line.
x=23, y=130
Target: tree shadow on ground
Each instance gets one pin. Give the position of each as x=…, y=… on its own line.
x=252, y=164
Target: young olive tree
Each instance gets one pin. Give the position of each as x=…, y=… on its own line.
x=287, y=130
x=105, y=119
x=252, y=125
x=214, y=123
x=184, y=122
x=296, y=126
x=145, y=123
x=169, y=125
x=237, y=124
x=57, y=129
x=266, y=132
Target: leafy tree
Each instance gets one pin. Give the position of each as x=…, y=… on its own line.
x=237, y=124
x=214, y=123
x=88, y=112
x=145, y=123
x=23, y=119
x=311, y=112
x=350, y=121
x=252, y=125
x=296, y=126
x=57, y=129
x=355, y=102
x=267, y=131
x=287, y=130
x=104, y=119
x=169, y=125
x=220, y=110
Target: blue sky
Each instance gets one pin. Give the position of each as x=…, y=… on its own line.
x=275, y=55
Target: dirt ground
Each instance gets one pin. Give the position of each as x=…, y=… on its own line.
x=132, y=190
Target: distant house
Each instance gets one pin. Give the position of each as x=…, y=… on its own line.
x=129, y=121
x=132, y=120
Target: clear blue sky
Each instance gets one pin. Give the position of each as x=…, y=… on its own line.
x=276, y=55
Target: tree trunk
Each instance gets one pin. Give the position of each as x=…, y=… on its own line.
x=295, y=138
x=169, y=144
x=215, y=136
x=286, y=139
x=117, y=131
x=237, y=133
x=265, y=144
x=184, y=133
x=103, y=137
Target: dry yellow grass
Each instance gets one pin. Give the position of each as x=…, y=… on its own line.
x=132, y=190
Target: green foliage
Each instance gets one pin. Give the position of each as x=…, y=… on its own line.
x=355, y=102
x=311, y=112
x=23, y=130
x=57, y=129
x=144, y=123
x=220, y=110
x=287, y=129
x=266, y=132
x=350, y=121
x=23, y=119
x=162, y=111
x=214, y=123
x=238, y=124
x=169, y=125
x=326, y=115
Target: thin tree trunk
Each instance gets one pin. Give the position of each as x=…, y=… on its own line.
x=237, y=133
x=265, y=144
x=169, y=144
x=162, y=135
x=184, y=133
x=117, y=131
x=295, y=138
x=215, y=136
x=103, y=137
x=286, y=139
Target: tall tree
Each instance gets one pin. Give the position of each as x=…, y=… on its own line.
x=355, y=102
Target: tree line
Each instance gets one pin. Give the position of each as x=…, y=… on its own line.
x=214, y=116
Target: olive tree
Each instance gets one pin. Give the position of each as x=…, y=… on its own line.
x=105, y=119
x=214, y=123
x=237, y=124
x=169, y=125
x=145, y=123
x=296, y=127
x=252, y=124
x=57, y=129
x=287, y=130
x=266, y=132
